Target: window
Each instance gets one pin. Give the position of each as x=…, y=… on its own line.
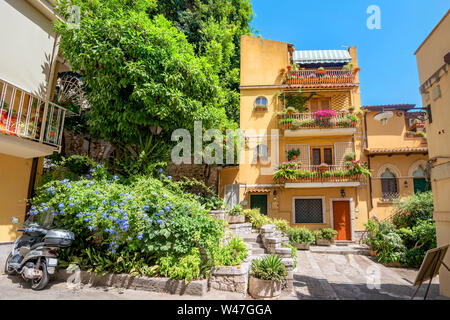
x=261, y=102
x=389, y=187
x=319, y=104
x=261, y=153
x=308, y=210
x=321, y=155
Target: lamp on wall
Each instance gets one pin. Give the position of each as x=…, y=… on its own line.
x=274, y=195
x=406, y=184
x=342, y=193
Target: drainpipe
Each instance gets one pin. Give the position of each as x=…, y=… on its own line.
x=366, y=143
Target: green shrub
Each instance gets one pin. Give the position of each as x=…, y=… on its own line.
x=235, y=210
x=142, y=218
x=325, y=233
x=268, y=268
x=256, y=218
x=233, y=253
x=416, y=207
x=187, y=267
x=300, y=235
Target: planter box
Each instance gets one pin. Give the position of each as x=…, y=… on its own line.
x=323, y=242
x=264, y=289
x=235, y=219
x=301, y=246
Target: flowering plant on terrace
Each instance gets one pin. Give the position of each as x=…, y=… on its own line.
x=324, y=114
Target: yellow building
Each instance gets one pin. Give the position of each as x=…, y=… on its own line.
x=433, y=60
x=320, y=138
x=397, y=154
x=30, y=125
x=272, y=73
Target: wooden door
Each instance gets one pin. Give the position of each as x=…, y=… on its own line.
x=342, y=220
x=259, y=201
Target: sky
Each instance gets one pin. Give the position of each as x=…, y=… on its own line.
x=386, y=56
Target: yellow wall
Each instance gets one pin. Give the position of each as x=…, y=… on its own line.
x=402, y=166
x=429, y=59
x=14, y=177
x=392, y=135
x=262, y=60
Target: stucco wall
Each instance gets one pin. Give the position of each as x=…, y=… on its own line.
x=429, y=59
x=14, y=177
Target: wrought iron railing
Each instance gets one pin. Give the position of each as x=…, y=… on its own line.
x=321, y=173
x=390, y=196
x=26, y=115
x=317, y=121
x=314, y=76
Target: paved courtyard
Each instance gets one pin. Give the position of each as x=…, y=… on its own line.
x=318, y=276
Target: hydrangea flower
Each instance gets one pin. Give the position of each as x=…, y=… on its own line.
x=140, y=236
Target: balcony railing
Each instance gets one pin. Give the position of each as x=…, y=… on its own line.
x=28, y=116
x=318, y=77
x=317, y=120
x=390, y=197
x=314, y=173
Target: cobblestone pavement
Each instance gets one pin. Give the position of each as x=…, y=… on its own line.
x=318, y=276
x=355, y=277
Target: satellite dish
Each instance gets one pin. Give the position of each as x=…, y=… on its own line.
x=383, y=117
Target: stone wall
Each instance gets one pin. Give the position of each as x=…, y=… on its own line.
x=208, y=174
x=233, y=279
x=82, y=144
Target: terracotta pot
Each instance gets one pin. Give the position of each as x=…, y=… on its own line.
x=290, y=112
x=372, y=253
x=301, y=246
x=294, y=157
x=320, y=71
x=351, y=111
x=264, y=289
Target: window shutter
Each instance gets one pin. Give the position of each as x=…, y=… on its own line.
x=325, y=104
x=340, y=150
x=314, y=105
x=231, y=195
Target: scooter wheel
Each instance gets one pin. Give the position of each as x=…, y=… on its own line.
x=40, y=283
x=8, y=269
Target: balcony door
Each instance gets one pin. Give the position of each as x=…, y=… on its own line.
x=321, y=155
x=319, y=104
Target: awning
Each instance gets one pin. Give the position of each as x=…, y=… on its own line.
x=321, y=56
x=257, y=190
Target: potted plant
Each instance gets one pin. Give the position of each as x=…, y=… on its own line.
x=290, y=110
x=293, y=154
x=324, y=237
x=301, y=238
x=265, y=277
x=289, y=68
x=234, y=215
x=353, y=120
x=350, y=156
x=288, y=122
x=320, y=70
x=351, y=109
x=359, y=113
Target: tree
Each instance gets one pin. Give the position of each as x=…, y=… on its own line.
x=215, y=28
x=139, y=72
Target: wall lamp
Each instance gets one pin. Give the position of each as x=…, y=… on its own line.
x=406, y=184
x=342, y=193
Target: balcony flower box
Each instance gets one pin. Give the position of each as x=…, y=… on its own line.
x=260, y=107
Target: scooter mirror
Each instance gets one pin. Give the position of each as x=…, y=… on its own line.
x=14, y=220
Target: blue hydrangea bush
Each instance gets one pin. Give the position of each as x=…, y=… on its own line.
x=141, y=225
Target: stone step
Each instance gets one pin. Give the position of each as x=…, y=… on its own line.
x=258, y=251
x=256, y=244
x=248, y=237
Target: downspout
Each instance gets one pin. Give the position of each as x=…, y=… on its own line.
x=31, y=184
x=366, y=143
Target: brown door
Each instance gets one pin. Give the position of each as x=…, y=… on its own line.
x=342, y=220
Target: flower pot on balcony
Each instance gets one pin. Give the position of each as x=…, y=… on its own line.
x=264, y=289
x=321, y=71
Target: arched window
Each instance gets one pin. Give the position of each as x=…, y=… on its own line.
x=389, y=186
x=419, y=173
x=261, y=103
x=261, y=153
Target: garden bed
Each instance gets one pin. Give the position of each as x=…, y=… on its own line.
x=125, y=281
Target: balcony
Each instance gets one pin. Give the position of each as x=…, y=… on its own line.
x=30, y=126
x=319, y=123
x=316, y=76
x=295, y=175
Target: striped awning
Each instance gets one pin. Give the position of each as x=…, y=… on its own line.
x=321, y=56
